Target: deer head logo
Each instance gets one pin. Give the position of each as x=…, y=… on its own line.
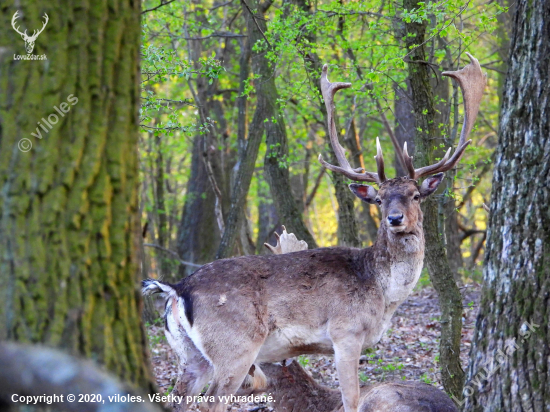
x=29, y=40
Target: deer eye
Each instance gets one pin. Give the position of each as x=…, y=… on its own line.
x=378, y=201
x=416, y=197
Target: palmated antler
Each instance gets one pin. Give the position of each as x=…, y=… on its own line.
x=472, y=82
x=287, y=243
x=328, y=90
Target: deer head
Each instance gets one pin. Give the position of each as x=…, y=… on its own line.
x=29, y=40
x=400, y=197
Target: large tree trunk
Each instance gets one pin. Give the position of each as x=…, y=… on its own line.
x=450, y=300
x=69, y=222
x=512, y=330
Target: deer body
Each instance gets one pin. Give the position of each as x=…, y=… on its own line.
x=233, y=314
x=256, y=309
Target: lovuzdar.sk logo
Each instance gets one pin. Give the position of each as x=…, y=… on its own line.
x=29, y=40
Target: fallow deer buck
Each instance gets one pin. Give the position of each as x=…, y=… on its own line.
x=234, y=313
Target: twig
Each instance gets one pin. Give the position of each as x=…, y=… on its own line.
x=256, y=23
x=231, y=35
x=315, y=187
x=436, y=34
x=158, y=7
x=174, y=254
x=221, y=5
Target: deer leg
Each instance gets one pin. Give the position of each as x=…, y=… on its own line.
x=194, y=370
x=228, y=378
x=191, y=381
x=346, y=356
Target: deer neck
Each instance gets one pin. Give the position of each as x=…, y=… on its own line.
x=399, y=261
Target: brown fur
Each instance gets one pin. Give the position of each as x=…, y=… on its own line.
x=293, y=390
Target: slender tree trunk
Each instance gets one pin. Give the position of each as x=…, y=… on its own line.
x=275, y=162
x=435, y=259
x=69, y=222
x=242, y=182
x=404, y=123
x=348, y=232
x=512, y=328
x=160, y=202
x=198, y=232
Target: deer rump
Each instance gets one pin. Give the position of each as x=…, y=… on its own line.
x=271, y=308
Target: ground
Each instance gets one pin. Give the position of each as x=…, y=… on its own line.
x=408, y=351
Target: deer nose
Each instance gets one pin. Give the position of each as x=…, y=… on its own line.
x=395, y=219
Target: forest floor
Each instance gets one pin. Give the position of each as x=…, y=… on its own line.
x=408, y=351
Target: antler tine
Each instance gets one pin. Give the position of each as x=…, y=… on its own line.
x=328, y=90
x=380, y=161
x=408, y=160
x=437, y=167
x=472, y=81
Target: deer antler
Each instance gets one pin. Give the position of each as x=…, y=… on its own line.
x=328, y=90
x=286, y=243
x=472, y=82
x=13, y=19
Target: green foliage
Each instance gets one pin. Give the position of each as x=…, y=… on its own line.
x=303, y=360
x=362, y=43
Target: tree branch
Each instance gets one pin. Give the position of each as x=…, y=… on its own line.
x=158, y=7
x=174, y=254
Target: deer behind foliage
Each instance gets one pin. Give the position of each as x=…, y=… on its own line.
x=234, y=313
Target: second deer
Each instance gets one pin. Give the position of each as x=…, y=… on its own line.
x=234, y=313
x=293, y=390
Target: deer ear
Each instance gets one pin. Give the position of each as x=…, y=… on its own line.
x=364, y=192
x=430, y=185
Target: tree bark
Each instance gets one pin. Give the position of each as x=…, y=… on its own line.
x=514, y=310
x=450, y=300
x=404, y=123
x=69, y=222
x=198, y=232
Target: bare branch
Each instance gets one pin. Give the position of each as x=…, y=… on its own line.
x=174, y=254
x=158, y=7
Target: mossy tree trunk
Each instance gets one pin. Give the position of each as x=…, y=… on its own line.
x=69, y=222
x=450, y=299
x=509, y=368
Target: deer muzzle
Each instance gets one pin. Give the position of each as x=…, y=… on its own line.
x=396, y=221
